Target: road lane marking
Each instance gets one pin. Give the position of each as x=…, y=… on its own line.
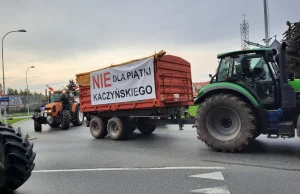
x=215, y=190
x=132, y=169
x=213, y=175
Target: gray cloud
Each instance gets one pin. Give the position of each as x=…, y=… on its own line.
x=60, y=31
x=66, y=28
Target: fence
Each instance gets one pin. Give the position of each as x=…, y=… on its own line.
x=18, y=103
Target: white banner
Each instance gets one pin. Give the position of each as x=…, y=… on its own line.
x=126, y=83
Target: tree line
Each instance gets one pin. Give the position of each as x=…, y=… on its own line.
x=292, y=38
x=11, y=91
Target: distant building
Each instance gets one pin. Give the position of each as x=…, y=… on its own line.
x=275, y=44
x=197, y=86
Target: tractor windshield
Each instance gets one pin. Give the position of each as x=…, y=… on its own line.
x=55, y=97
x=243, y=66
x=251, y=71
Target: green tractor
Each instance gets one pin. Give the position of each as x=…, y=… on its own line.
x=251, y=94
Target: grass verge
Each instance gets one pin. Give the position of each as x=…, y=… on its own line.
x=19, y=114
x=14, y=120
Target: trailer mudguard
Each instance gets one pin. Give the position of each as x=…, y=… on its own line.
x=226, y=87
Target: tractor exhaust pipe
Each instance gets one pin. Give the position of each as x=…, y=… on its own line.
x=288, y=95
x=283, y=63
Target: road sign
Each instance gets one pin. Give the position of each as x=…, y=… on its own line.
x=4, y=99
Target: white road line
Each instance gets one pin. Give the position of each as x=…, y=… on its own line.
x=215, y=190
x=130, y=169
x=213, y=175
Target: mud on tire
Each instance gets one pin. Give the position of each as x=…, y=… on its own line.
x=98, y=127
x=116, y=128
x=226, y=123
x=66, y=119
x=16, y=159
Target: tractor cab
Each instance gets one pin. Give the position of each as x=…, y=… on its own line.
x=256, y=70
x=55, y=96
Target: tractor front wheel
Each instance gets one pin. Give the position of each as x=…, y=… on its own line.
x=65, y=120
x=37, y=126
x=226, y=123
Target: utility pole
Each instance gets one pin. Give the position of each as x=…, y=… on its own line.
x=27, y=88
x=266, y=17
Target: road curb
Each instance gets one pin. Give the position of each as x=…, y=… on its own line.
x=30, y=138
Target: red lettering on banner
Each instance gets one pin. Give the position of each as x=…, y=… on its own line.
x=106, y=79
x=100, y=80
x=96, y=82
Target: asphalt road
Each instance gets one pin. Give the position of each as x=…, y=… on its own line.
x=169, y=161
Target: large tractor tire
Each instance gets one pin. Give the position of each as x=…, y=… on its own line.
x=226, y=123
x=16, y=159
x=79, y=117
x=98, y=128
x=66, y=119
x=144, y=126
x=116, y=128
x=37, y=126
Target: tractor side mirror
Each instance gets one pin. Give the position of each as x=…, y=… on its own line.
x=210, y=75
x=291, y=76
x=270, y=55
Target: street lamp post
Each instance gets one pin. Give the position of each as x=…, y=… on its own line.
x=4, y=92
x=27, y=88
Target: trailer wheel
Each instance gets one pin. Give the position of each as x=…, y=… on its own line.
x=131, y=125
x=226, y=123
x=16, y=159
x=116, y=128
x=145, y=127
x=66, y=119
x=131, y=128
x=98, y=128
x=37, y=126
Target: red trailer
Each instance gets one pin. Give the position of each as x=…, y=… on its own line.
x=137, y=94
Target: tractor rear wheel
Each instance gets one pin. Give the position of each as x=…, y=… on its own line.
x=79, y=117
x=16, y=159
x=226, y=123
x=65, y=120
x=98, y=127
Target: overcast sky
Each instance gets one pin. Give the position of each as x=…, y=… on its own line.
x=67, y=37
